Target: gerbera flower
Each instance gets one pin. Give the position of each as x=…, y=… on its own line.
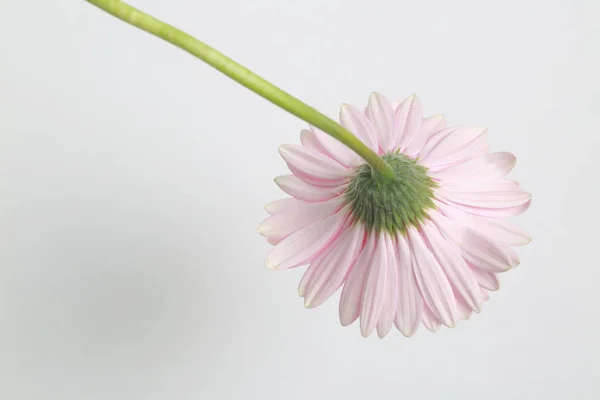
x=424, y=246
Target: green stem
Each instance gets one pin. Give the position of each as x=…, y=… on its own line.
x=243, y=76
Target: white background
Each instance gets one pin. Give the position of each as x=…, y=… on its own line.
x=133, y=176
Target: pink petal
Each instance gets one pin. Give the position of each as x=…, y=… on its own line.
x=454, y=266
x=408, y=121
x=318, y=181
x=463, y=309
x=486, y=254
x=429, y=127
x=315, y=267
x=381, y=115
x=485, y=295
x=310, y=164
x=410, y=302
x=315, y=264
x=337, y=150
x=433, y=284
x=463, y=144
x=514, y=257
x=334, y=267
x=451, y=227
x=350, y=300
x=485, y=279
x=500, y=185
x=501, y=230
x=435, y=139
x=503, y=212
x=493, y=195
x=356, y=122
x=485, y=168
x=283, y=205
x=386, y=319
x=520, y=210
x=309, y=141
x=454, y=214
x=278, y=226
x=475, y=248
x=429, y=319
x=373, y=293
x=299, y=189
x=301, y=246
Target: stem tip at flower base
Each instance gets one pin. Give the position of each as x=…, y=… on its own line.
x=392, y=204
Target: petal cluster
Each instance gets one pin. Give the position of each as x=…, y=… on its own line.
x=436, y=271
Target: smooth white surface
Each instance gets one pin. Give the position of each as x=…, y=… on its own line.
x=133, y=177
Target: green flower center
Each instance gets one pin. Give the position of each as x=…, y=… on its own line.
x=391, y=204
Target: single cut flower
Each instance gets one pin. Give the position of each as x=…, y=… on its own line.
x=425, y=245
x=411, y=221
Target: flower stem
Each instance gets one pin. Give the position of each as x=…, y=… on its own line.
x=243, y=76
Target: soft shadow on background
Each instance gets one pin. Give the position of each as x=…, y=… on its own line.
x=132, y=179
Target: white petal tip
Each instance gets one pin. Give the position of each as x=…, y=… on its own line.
x=283, y=149
x=344, y=323
x=346, y=320
x=263, y=229
x=274, y=206
x=270, y=264
x=383, y=333
x=308, y=303
x=433, y=329
x=365, y=330
x=450, y=323
x=407, y=333
x=466, y=317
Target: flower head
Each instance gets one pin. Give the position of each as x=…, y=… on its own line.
x=425, y=245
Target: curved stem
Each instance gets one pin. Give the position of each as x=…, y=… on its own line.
x=243, y=76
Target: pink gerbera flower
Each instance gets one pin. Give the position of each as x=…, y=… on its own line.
x=424, y=246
